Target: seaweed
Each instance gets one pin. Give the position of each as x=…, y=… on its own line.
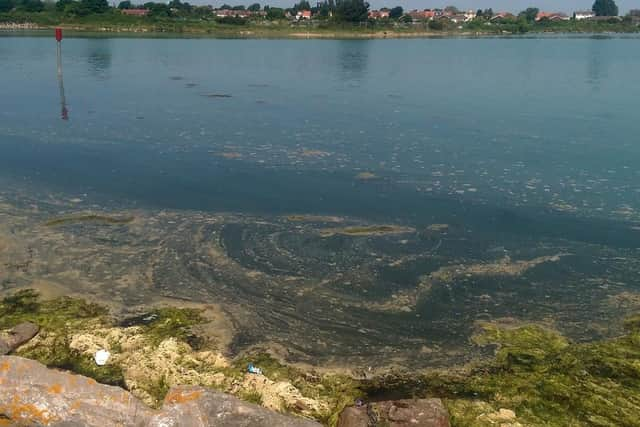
x=55, y=315
x=252, y=397
x=541, y=376
x=173, y=322
x=101, y=219
x=158, y=390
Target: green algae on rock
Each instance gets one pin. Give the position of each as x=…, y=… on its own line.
x=57, y=315
x=167, y=322
x=548, y=381
x=538, y=378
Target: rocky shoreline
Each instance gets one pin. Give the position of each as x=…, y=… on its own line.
x=160, y=373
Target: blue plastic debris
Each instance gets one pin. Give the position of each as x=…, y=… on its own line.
x=254, y=369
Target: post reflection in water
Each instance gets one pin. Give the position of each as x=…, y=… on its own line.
x=64, y=113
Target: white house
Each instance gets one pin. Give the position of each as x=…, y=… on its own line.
x=583, y=14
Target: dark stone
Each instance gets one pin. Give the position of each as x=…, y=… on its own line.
x=397, y=413
x=188, y=406
x=17, y=336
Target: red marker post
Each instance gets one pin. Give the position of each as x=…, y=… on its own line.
x=63, y=102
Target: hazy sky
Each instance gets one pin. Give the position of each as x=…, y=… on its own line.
x=507, y=5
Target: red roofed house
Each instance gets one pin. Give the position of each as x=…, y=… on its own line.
x=303, y=14
x=378, y=14
x=502, y=15
x=552, y=16
x=424, y=15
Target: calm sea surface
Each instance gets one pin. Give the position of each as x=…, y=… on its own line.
x=515, y=139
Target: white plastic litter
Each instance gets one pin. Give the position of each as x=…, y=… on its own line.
x=101, y=357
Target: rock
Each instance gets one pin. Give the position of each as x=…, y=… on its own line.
x=33, y=395
x=396, y=413
x=193, y=406
x=17, y=336
x=504, y=417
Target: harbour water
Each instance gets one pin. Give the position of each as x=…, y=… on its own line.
x=351, y=200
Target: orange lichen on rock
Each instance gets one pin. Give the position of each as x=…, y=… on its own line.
x=4, y=366
x=182, y=397
x=55, y=389
x=26, y=411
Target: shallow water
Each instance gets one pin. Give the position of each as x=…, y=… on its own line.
x=524, y=147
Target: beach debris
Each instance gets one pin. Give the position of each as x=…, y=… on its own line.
x=101, y=357
x=254, y=369
x=365, y=176
x=216, y=95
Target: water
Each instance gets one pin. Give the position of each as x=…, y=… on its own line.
x=524, y=147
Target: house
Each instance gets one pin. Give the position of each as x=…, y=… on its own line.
x=303, y=14
x=552, y=16
x=470, y=15
x=501, y=16
x=135, y=12
x=457, y=19
x=424, y=15
x=583, y=14
x=379, y=14
x=223, y=13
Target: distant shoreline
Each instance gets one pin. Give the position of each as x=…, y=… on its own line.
x=256, y=32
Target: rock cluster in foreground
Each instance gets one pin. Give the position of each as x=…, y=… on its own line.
x=32, y=394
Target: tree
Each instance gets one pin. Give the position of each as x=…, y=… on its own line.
x=126, y=4
x=225, y=7
x=254, y=7
x=529, y=14
x=605, y=8
x=303, y=5
x=157, y=9
x=451, y=10
x=274, y=13
x=324, y=11
x=396, y=12
x=352, y=10
x=487, y=13
x=94, y=6
x=436, y=25
x=6, y=5
x=76, y=8
x=479, y=13
x=28, y=5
